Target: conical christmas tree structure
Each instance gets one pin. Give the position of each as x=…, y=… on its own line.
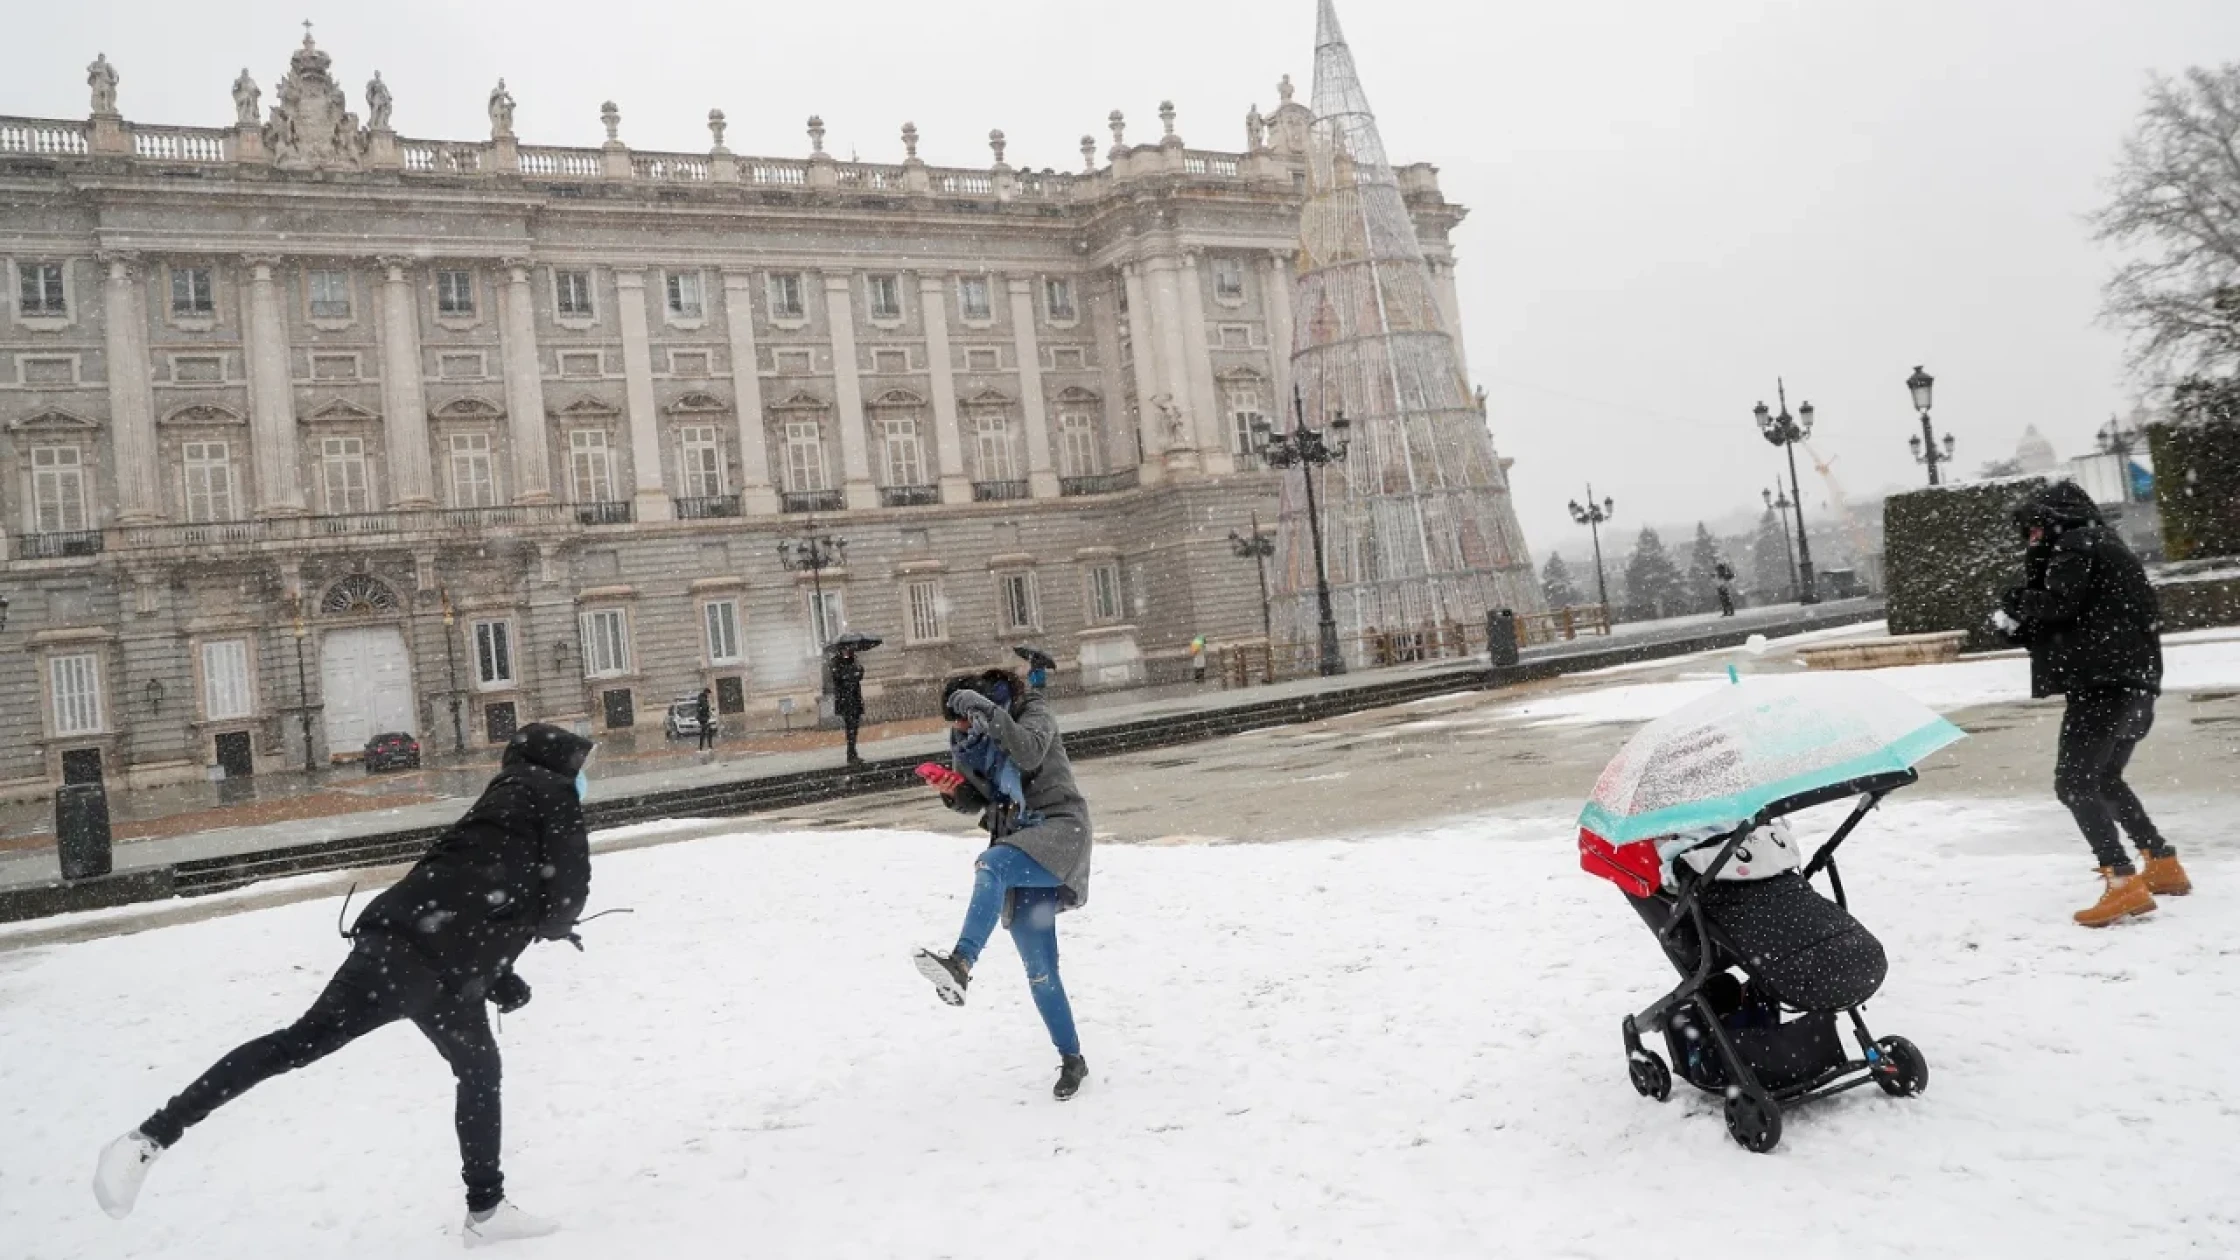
x=1419, y=531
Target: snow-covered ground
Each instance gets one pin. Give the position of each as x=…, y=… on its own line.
x=1400, y=1046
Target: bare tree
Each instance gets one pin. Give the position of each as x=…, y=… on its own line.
x=2174, y=212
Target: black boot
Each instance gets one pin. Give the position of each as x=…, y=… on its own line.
x=1071, y=1072
x=949, y=974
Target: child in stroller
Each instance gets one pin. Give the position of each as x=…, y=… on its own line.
x=1767, y=965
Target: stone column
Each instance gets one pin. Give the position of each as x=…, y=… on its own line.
x=272, y=410
x=403, y=401
x=652, y=502
x=847, y=391
x=1042, y=479
x=757, y=496
x=1143, y=343
x=132, y=404
x=933, y=301
x=1275, y=288
x=525, y=419
x=1213, y=442
x=1450, y=311
x=1174, y=376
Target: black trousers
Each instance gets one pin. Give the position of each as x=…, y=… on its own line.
x=381, y=982
x=707, y=735
x=2099, y=730
x=854, y=723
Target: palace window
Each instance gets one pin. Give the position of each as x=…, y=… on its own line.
x=471, y=482
x=996, y=453
x=1078, y=452
x=827, y=615
x=785, y=296
x=591, y=465
x=342, y=475
x=721, y=618
x=58, y=489
x=701, y=457
x=905, y=457
x=805, y=470
x=1016, y=596
x=571, y=294
x=972, y=299
x=208, y=470
x=493, y=654
x=1105, y=603
x=885, y=294
x=1057, y=299
x=226, y=693
x=684, y=295
x=1228, y=279
x=330, y=294
x=192, y=292
x=74, y=687
x=40, y=290
x=606, y=643
x=927, y=625
x=455, y=293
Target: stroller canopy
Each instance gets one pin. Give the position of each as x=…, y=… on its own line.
x=1716, y=762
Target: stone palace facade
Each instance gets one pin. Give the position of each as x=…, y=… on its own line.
x=309, y=431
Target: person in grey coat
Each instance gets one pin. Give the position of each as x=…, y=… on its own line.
x=1008, y=763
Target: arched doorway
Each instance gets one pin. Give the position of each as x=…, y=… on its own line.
x=365, y=671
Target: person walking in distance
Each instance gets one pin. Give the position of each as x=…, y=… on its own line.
x=847, y=695
x=1198, y=659
x=1009, y=764
x=704, y=715
x=1723, y=574
x=2089, y=617
x=514, y=869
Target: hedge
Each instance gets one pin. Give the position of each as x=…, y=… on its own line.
x=1949, y=553
x=2197, y=486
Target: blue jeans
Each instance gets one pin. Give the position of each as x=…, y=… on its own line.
x=1004, y=871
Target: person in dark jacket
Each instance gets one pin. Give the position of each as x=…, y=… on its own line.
x=515, y=869
x=1722, y=573
x=704, y=714
x=847, y=695
x=1009, y=765
x=2089, y=617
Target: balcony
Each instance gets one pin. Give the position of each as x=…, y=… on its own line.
x=811, y=501
x=708, y=507
x=605, y=512
x=76, y=542
x=909, y=496
x=1101, y=483
x=997, y=491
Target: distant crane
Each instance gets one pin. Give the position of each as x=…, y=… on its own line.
x=1860, y=543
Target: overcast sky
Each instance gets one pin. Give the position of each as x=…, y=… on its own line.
x=1671, y=204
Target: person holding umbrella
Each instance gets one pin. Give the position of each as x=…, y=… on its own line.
x=847, y=684
x=1039, y=665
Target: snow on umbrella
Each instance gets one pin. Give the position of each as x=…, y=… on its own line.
x=856, y=641
x=1717, y=761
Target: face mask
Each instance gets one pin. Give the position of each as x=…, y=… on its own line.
x=583, y=786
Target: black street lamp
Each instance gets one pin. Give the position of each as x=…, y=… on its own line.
x=303, y=688
x=3, y=612
x=451, y=666
x=2113, y=439
x=813, y=553
x=1785, y=430
x=1257, y=549
x=1592, y=516
x=1779, y=506
x=1310, y=449
x=1925, y=449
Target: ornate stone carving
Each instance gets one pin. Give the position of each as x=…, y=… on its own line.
x=247, y=96
x=501, y=112
x=1178, y=429
x=1089, y=155
x=378, y=104
x=996, y=144
x=610, y=116
x=1119, y=124
x=358, y=593
x=1255, y=130
x=1283, y=89
x=909, y=142
x=312, y=127
x=816, y=136
x=1166, y=119
x=102, y=78
x=716, y=126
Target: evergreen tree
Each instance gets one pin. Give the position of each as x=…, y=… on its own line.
x=1769, y=561
x=1654, y=585
x=1703, y=572
x=1555, y=582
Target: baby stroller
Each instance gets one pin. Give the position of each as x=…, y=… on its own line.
x=1769, y=967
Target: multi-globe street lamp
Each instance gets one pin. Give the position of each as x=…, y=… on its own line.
x=813, y=553
x=1925, y=448
x=1257, y=548
x=1310, y=449
x=1785, y=431
x=1778, y=504
x=1592, y=516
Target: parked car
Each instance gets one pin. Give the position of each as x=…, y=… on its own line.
x=683, y=721
x=392, y=750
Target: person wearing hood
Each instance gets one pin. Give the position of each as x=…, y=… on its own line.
x=516, y=868
x=1008, y=764
x=2089, y=617
x=847, y=696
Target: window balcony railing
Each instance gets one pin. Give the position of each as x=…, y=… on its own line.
x=604, y=512
x=707, y=507
x=811, y=501
x=909, y=496
x=996, y=491
x=76, y=542
x=1100, y=483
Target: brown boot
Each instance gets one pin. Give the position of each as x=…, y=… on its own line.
x=2165, y=878
x=2126, y=895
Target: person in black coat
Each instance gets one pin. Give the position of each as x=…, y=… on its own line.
x=847, y=695
x=704, y=714
x=515, y=869
x=2089, y=617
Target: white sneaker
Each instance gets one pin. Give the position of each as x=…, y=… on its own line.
x=504, y=1223
x=123, y=1166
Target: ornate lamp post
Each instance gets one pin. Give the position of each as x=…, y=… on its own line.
x=1592, y=516
x=451, y=666
x=2113, y=439
x=1778, y=504
x=303, y=687
x=1925, y=449
x=1257, y=549
x=814, y=553
x=1785, y=431
x=1310, y=449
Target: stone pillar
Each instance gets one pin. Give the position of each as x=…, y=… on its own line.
x=272, y=410
x=757, y=496
x=403, y=400
x=1275, y=289
x=847, y=391
x=525, y=419
x=1174, y=376
x=1143, y=343
x=1213, y=442
x=1042, y=478
x=652, y=502
x=933, y=301
x=132, y=404
x=1450, y=312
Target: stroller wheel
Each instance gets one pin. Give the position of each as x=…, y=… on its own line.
x=1902, y=1072
x=1754, y=1123
x=1651, y=1078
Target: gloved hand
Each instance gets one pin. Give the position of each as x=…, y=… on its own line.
x=509, y=993
x=971, y=705
x=2004, y=623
